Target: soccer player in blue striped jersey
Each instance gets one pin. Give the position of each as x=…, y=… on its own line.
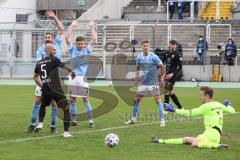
x=147, y=78
x=40, y=54
x=82, y=52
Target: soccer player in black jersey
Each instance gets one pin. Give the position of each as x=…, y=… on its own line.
x=173, y=63
x=46, y=76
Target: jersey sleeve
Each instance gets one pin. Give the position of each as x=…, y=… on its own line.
x=40, y=53
x=59, y=63
x=36, y=69
x=58, y=41
x=157, y=60
x=192, y=112
x=229, y=109
x=138, y=60
x=179, y=64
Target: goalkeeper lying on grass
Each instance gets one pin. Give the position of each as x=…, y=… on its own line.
x=212, y=112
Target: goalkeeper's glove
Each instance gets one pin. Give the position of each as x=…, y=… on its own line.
x=227, y=102
x=169, y=107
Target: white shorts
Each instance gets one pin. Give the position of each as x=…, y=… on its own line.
x=38, y=91
x=152, y=89
x=77, y=87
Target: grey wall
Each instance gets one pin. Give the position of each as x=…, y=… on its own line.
x=89, y=3
x=204, y=73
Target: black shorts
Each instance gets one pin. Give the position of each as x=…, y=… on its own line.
x=169, y=85
x=48, y=95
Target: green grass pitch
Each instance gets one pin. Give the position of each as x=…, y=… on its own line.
x=87, y=144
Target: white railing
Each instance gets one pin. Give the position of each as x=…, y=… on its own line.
x=169, y=26
x=159, y=5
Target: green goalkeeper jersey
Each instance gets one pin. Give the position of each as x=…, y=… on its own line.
x=211, y=111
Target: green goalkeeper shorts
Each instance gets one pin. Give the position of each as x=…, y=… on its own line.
x=210, y=135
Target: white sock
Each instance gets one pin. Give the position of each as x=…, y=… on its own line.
x=66, y=132
x=134, y=119
x=40, y=125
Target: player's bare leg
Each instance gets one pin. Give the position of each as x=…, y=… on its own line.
x=42, y=113
x=175, y=99
x=137, y=100
x=35, y=111
x=53, y=117
x=160, y=110
x=73, y=109
x=88, y=108
x=64, y=105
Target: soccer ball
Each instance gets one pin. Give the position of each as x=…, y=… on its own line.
x=111, y=140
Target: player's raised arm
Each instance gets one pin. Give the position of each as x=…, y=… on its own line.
x=70, y=32
x=59, y=24
x=93, y=33
x=39, y=54
x=191, y=113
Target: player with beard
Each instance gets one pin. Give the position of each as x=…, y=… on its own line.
x=40, y=54
x=46, y=76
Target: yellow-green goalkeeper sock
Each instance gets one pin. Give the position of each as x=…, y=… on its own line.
x=174, y=141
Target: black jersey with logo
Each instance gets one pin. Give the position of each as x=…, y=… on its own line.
x=47, y=68
x=173, y=63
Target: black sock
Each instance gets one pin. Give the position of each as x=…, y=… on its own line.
x=66, y=119
x=176, y=101
x=66, y=126
x=166, y=98
x=42, y=112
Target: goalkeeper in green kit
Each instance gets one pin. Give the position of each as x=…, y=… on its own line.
x=212, y=113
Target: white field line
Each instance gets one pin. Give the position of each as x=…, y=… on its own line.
x=78, y=132
x=88, y=131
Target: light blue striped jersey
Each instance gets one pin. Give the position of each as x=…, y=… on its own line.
x=148, y=68
x=80, y=59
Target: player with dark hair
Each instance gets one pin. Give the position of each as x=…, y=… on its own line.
x=82, y=52
x=173, y=72
x=212, y=112
x=149, y=73
x=47, y=78
x=48, y=38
